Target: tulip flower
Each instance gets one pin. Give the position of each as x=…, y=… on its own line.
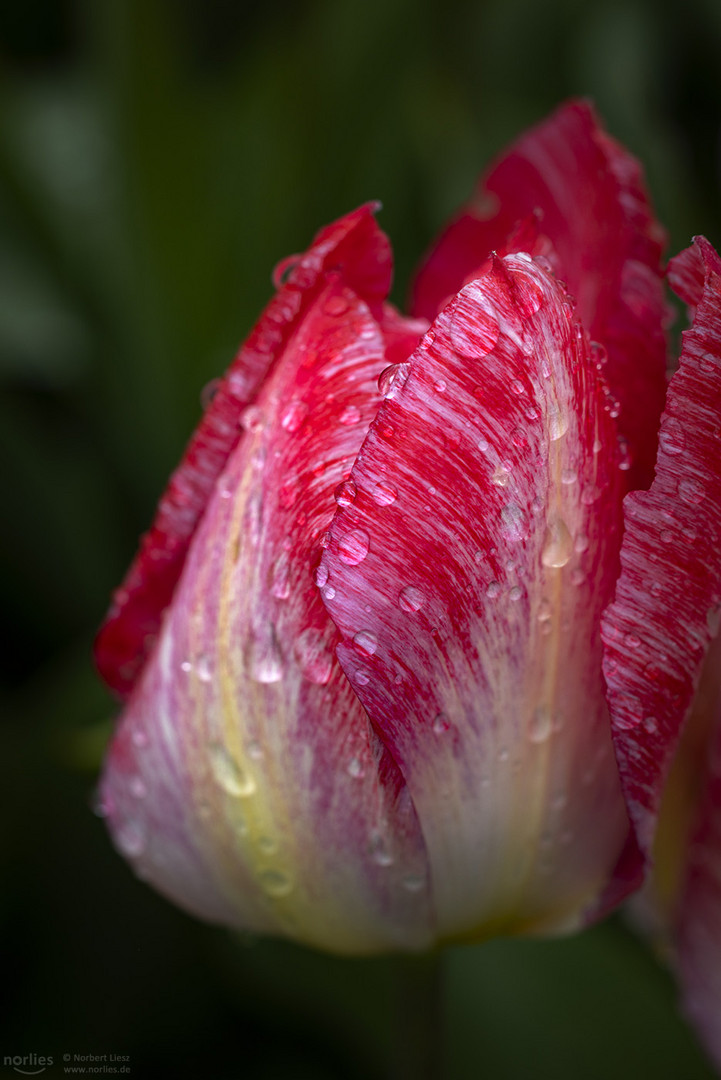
x=362, y=645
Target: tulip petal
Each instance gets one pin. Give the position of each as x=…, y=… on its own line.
x=591, y=199
x=658, y=630
x=467, y=579
x=257, y=752
x=663, y=656
x=357, y=247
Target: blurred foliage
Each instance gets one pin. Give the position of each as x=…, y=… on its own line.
x=157, y=157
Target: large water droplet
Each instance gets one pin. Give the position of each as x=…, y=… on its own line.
x=345, y=493
x=384, y=494
x=558, y=544
x=312, y=656
x=393, y=378
x=336, y=305
x=557, y=422
x=411, y=598
x=354, y=547
x=691, y=491
x=541, y=724
x=231, y=777
x=366, y=641
x=441, y=724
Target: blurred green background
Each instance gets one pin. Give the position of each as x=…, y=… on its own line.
x=157, y=157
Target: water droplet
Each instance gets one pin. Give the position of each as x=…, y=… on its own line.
x=350, y=415
x=672, y=437
x=345, y=493
x=378, y=851
x=328, y=592
x=284, y=269
x=228, y=773
x=482, y=445
x=202, y=669
x=515, y=593
x=441, y=724
x=366, y=641
x=137, y=787
x=578, y=576
x=130, y=839
x=517, y=387
x=384, y=494
x=541, y=725
x=651, y=725
x=514, y=523
x=208, y=393
x=293, y=416
x=280, y=577
x=632, y=641
x=691, y=491
x=569, y=476
x=581, y=544
x=354, y=547
x=500, y=476
x=411, y=598
x=313, y=657
x=186, y=666
x=440, y=385
x=628, y=712
x=276, y=883
x=321, y=575
x=413, y=883
x=356, y=768
x=336, y=305
x=557, y=422
x=558, y=544
x=493, y=589
x=393, y=378
x=264, y=659
x=252, y=419
x=362, y=677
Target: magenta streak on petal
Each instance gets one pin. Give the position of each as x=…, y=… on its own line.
x=353, y=245
x=658, y=630
x=247, y=616
x=469, y=601
x=594, y=210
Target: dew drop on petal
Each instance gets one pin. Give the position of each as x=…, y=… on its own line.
x=321, y=575
x=276, y=883
x=411, y=598
x=558, y=544
x=413, y=883
x=336, y=305
x=252, y=419
x=280, y=577
x=350, y=415
x=384, y=494
x=264, y=660
x=441, y=724
x=379, y=852
x=514, y=523
x=345, y=493
x=557, y=422
x=354, y=547
x=137, y=787
x=393, y=378
x=139, y=738
x=366, y=641
x=474, y=327
x=229, y=775
x=293, y=416
x=541, y=725
x=493, y=589
x=691, y=491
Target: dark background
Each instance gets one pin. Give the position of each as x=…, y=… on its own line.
x=157, y=157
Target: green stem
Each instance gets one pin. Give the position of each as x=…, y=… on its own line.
x=419, y=1018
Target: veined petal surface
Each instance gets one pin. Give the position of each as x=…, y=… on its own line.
x=291, y=816
x=663, y=654
x=357, y=247
x=467, y=579
x=592, y=206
